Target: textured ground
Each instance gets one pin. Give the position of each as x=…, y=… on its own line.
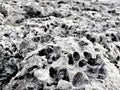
x=59, y=44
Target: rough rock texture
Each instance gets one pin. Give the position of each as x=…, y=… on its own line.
x=59, y=44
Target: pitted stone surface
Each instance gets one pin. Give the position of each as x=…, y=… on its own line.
x=59, y=45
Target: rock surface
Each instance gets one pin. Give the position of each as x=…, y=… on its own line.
x=59, y=45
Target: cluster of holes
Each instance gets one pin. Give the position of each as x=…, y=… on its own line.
x=50, y=53
x=92, y=64
x=58, y=74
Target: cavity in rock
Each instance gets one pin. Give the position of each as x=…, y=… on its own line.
x=79, y=79
x=63, y=74
x=92, y=61
x=31, y=13
x=87, y=55
x=76, y=56
x=70, y=59
x=82, y=63
x=53, y=72
x=43, y=52
x=17, y=55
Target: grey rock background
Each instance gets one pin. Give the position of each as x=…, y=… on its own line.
x=56, y=45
